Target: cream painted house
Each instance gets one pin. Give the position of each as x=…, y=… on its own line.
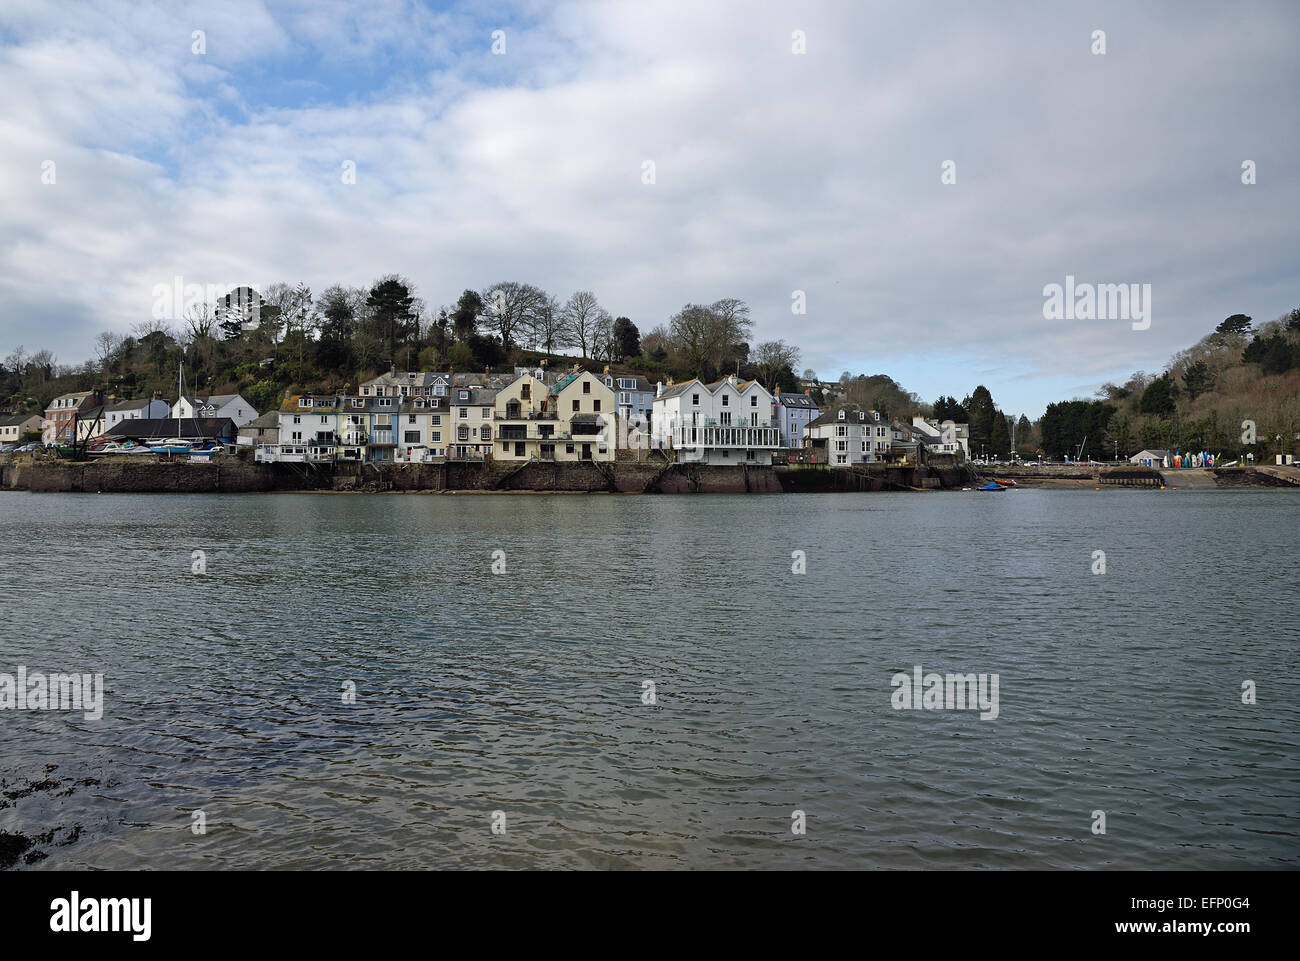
x=572, y=420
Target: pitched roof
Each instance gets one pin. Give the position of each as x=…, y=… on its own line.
x=268, y=420
x=831, y=415
x=162, y=428
x=133, y=404
x=15, y=420
x=795, y=400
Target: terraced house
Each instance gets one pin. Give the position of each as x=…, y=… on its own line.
x=570, y=420
x=471, y=411
x=421, y=431
x=726, y=422
x=406, y=383
x=316, y=428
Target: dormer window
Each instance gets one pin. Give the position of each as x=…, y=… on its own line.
x=464, y=395
x=304, y=401
x=862, y=415
x=841, y=415
x=358, y=402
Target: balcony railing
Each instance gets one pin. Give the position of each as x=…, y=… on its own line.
x=731, y=437
x=526, y=415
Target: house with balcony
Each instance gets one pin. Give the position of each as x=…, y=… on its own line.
x=634, y=398
x=570, y=420
x=319, y=428
x=792, y=413
x=727, y=422
x=846, y=435
x=471, y=411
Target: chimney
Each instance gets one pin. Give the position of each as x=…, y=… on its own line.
x=659, y=389
x=777, y=392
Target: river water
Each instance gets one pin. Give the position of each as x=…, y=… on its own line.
x=518, y=700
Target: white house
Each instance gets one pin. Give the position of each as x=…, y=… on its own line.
x=154, y=409
x=726, y=422
x=1150, y=458
x=848, y=434
x=218, y=405
x=945, y=438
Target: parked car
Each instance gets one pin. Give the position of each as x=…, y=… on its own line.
x=27, y=448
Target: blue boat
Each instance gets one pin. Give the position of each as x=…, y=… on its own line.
x=991, y=487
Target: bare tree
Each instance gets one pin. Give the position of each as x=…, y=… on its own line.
x=551, y=328
x=602, y=341
x=771, y=357
x=582, y=315
x=511, y=308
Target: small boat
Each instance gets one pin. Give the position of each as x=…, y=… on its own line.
x=173, y=446
x=991, y=487
x=1004, y=483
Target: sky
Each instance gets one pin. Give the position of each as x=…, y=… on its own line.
x=916, y=173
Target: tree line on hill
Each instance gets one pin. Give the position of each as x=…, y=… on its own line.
x=1236, y=392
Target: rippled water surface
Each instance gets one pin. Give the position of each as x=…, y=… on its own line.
x=522, y=692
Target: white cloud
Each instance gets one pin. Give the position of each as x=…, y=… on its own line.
x=774, y=171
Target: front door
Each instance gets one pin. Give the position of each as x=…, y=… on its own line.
x=586, y=452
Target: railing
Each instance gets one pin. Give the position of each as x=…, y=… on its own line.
x=734, y=436
x=527, y=415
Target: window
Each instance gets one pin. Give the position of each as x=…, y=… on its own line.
x=595, y=405
x=483, y=412
x=841, y=431
x=753, y=401
x=841, y=415
x=435, y=420
x=725, y=398
x=304, y=401
x=568, y=448
x=358, y=402
x=324, y=419
x=435, y=437
x=576, y=404
x=695, y=399
x=725, y=418
x=586, y=387
x=297, y=419
x=749, y=455
x=485, y=434
x=411, y=437
x=464, y=395
x=439, y=390
x=464, y=412
x=525, y=391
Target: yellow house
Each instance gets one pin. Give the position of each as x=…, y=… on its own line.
x=572, y=420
